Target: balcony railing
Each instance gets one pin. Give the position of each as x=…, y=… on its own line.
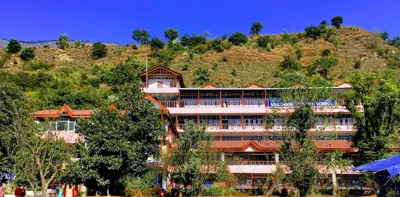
x=165, y=84
x=252, y=162
x=254, y=126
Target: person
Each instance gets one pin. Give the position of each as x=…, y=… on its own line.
x=2, y=189
x=64, y=190
x=18, y=191
x=74, y=190
x=23, y=192
x=69, y=191
x=60, y=191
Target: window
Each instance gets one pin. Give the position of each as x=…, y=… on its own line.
x=160, y=84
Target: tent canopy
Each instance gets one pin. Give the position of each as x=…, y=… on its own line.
x=391, y=164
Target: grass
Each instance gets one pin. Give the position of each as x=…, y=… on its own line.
x=250, y=63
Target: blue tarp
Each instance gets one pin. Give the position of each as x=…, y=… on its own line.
x=391, y=164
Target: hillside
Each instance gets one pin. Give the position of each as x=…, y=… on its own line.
x=71, y=68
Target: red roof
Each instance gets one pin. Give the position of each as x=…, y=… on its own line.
x=209, y=86
x=64, y=108
x=253, y=85
x=167, y=72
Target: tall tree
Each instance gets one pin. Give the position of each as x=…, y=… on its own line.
x=118, y=143
x=13, y=46
x=337, y=21
x=141, y=36
x=99, y=50
x=63, y=41
x=335, y=161
x=378, y=123
x=171, y=34
x=256, y=28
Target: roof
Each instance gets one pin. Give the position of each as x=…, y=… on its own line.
x=209, y=86
x=64, y=110
x=253, y=85
x=166, y=71
x=344, y=85
x=274, y=145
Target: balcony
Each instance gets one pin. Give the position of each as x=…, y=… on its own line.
x=252, y=162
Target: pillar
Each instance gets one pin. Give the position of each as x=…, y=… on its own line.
x=276, y=158
x=222, y=156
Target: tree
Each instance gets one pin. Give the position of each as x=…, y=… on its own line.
x=238, y=38
x=41, y=157
x=256, y=28
x=313, y=32
x=171, y=34
x=264, y=41
x=289, y=63
x=201, y=76
x=118, y=143
x=193, y=40
x=99, y=50
x=335, y=161
x=322, y=66
x=13, y=46
x=337, y=21
x=193, y=161
x=384, y=35
x=156, y=43
x=395, y=41
x=141, y=36
x=27, y=53
x=379, y=122
x=63, y=41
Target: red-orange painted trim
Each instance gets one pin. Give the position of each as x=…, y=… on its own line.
x=253, y=84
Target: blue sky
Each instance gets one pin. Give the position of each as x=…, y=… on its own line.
x=114, y=21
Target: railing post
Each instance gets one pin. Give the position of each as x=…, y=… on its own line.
x=242, y=98
x=265, y=98
x=179, y=99
x=176, y=122
x=220, y=98
x=242, y=117
x=198, y=98
x=334, y=121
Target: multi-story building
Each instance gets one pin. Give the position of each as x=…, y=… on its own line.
x=245, y=123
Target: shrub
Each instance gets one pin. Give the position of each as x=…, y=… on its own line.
x=289, y=63
x=224, y=58
x=215, y=45
x=238, y=38
x=185, y=66
x=394, y=62
x=224, y=37
x=99, y=50
x=256, y=28
x=27, y=54
x=141, y=36
x=326, y=52
x=191, y=41
x=226, y=45
x=322, y=66
x=337, y=21
x=212, y=191
x=156, y=43
x=63, y=41
x=201, y=75
x=384, y=35
x=330, y=34
x=78, y=44
x=234, y=72
x=357, y=64
x=13, y=46
x=312, y=32
x=15, y=62
x=134, y=47
x=171, y=34
x=395, y=41
x=263, y=41
x=46, y=46
x=215, y=67
x=200, y=49
x=299, y=54
x=164, y=57
x=39, y=65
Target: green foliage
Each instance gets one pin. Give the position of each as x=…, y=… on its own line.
x=357, y=64
x=216, y=45
x=141, y=183
x=27, y=54
x=63, y=41
x=337, y=21
x=393, y=62
x=201, y=76
x=156, y=44
x=78, y=44
x=33, y=65
x=191, y=41
x=226, y=45
x=212, y=191
x=313, y=32
x=200, y=49
x=134, y=47
x=141, y=36
x=127, y=140
x=326, y=52
x=234, y=72
x=164, y=57
x=215, y=67
x=238, y=38
x=395, y=41
x=224, y=37
x=99, y=50
x=185, y=66
x=46, y=46
x=171, y=34
x=330, y=35
x=289, y=63
x=299, y=54
x=13, y=46
x=256, y=28
x=224, y=58
x=379, y=122
x=384, y=35
x=264, y=41
x=322, y=66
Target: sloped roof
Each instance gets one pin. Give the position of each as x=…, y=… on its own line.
x=64, y=108
x=344, y=85
x=209, y=86
x=167, y=70
x=253, y=85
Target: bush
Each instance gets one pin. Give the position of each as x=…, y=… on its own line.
x=331, y=33
x=299, y=54
x=384, y=35
x=78, y=44
x=289, y=63
x=141, y=36
x=234, y=72
x=216, y=45
x=337, y=21
x=164, y=57
x=322, y=66
x=13, y=46
x=215, y=67
x=212, y=191
x=226, y=45
x=39, y=65
x=63, y=41
x=256, y=28
x=326, y=52
x=224, y=37
x=201, y=76
x=185, y=66
x=134, y=47
x=156, y=43
x=264, y=41
x=224, y=58
x=313, y=32
x=171, y=34
x=99, y=50
x=357, y=64
x=200, y=49
x=27, y=54
x=238, y=38
x=191, y=41
x=46, y=46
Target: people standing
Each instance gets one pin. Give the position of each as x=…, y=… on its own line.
x=23, y=192
x=60, y=191
x=18, y=190
x=2, y=189
x=69, y=191
x=74, y=190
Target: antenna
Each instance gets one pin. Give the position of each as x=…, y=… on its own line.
x=147, y=76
